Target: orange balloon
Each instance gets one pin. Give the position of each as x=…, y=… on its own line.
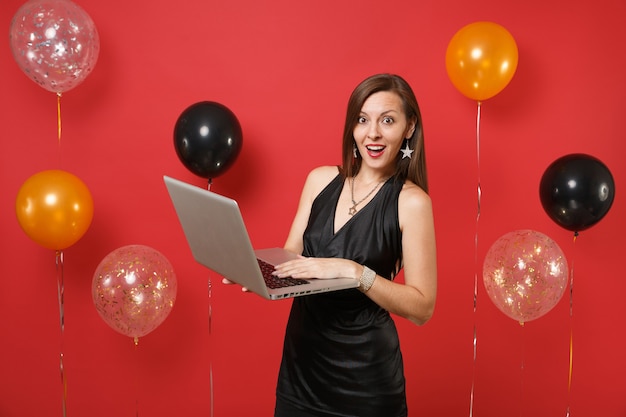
x=481, y=60
x=54, y=208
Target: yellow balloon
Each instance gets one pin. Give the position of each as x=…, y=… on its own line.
x=481, y=60
x=54, y=208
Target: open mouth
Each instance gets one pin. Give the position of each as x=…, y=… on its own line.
x=375, y=150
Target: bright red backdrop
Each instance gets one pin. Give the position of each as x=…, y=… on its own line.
x=286, y=69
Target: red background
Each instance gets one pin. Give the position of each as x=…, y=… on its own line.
x=286, y=69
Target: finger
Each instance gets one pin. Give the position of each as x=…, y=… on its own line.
x=229, y=282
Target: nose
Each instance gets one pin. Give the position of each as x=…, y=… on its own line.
x=373, y=131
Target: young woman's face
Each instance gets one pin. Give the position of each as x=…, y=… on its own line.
x=381, y=129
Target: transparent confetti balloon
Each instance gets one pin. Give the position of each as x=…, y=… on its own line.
x=525, y=274
x=134, y=289
x=55, y=43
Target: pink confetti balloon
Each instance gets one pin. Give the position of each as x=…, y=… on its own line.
x=525, y=274
x=134, y=289
x=55, y=43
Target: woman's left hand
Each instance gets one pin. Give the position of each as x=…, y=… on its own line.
x=321, y=268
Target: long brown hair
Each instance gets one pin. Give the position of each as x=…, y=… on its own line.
x=412, y=169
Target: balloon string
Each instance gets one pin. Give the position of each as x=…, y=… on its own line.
x=59, y=117
x=473, y=376
x=61, y=296
x=136, y=349
x=478, y=201
x=571, y=329
x=522, y=367
x=59, y=125
x=478, y=197
x=210, y=325
x=210, y=285
x=478, y=163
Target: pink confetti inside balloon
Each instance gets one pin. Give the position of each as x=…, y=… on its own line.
x=134, y=289
x=525, y=274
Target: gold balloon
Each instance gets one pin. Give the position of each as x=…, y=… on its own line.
x=54, y=208
x=481, y=60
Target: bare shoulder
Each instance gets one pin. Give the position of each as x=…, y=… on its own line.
x=324, y=173
x=319, y=178
x=414, y=203
x=413, y=197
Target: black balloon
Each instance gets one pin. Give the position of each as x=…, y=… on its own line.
x=207, y=138
x=577, y=191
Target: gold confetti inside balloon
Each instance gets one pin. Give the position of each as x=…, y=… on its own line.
x=134, y=289
x=525, y=274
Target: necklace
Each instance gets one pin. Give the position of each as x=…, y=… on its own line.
x=352, y=210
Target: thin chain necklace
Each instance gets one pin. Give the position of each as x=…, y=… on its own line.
x=352, y=210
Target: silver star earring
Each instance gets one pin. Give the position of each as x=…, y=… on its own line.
x=354, y=151
x=406, y=152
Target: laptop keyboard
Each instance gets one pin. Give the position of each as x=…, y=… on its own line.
x=275, y=282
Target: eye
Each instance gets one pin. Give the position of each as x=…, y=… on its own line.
x=361, y=120
x=387, y=120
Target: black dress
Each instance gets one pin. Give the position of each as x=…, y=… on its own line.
x=341, y=355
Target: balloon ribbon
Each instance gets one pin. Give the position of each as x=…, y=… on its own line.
x=137, y=371
x=522, y=366
x=478, y=196
x=571, y=331
x=210, y=320
x=61, y=296
x=210, y=355
x=59, y=117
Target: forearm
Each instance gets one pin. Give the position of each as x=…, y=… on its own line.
x=401, y=299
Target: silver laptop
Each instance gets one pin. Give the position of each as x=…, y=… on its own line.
x=218, y=239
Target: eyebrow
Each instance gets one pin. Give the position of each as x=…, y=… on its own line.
x=386, y=112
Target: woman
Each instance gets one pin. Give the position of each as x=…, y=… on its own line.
x=367, y=219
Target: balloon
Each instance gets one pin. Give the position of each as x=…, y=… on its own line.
x=576, y=191
x=54, y=208
x=134, y=289
x=481, y=60
x=55, y=43
x=525, y=274
x=207, y=138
